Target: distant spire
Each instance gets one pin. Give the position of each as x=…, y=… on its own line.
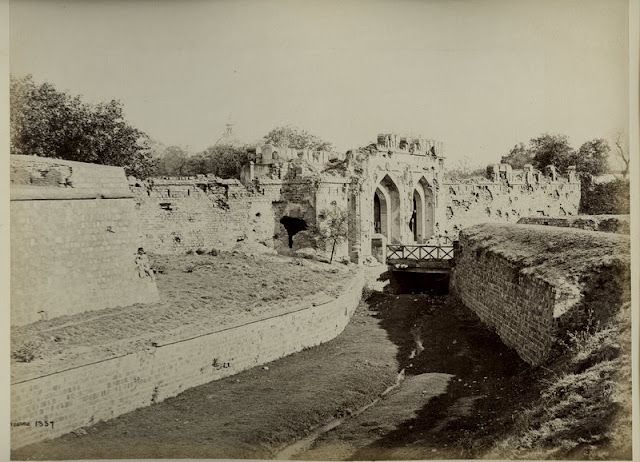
x=228, y=135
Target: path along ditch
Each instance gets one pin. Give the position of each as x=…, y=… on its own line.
x=449, y=389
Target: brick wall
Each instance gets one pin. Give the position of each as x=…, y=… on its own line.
x=73, y=240
x=518, y=307
x=534, y=284
x=87, y=394
x=180, y=215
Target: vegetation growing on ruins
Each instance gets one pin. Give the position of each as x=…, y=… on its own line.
x=226, y=160
x=193, y=301
x=48, y=122
x=332, y=228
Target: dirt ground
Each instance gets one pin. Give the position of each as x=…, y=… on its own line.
x=461, y=390
x=459, y=396
x=198, y=294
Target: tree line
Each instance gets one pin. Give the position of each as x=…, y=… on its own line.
x=550, y=149
x=591, y=160
x=47, y=122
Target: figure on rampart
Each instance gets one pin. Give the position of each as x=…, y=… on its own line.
x=143, y=264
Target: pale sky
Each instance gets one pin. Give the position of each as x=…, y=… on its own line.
x=478, y=75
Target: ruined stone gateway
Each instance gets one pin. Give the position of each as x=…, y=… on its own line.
x=396, y=191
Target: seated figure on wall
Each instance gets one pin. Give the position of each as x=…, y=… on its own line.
x=143, y=264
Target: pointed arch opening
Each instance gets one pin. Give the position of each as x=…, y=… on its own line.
x=386, y=210
x=427, y=221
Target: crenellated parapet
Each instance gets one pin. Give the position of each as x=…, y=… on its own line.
x=529, y=175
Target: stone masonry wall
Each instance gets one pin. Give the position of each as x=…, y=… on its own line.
x=503, y=202
x=535, y=284
x=84, y=395
x=73, y=240
x=177, y=215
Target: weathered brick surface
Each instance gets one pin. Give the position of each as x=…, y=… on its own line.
x=520, y=308
x=180, y=215
x=70, y=255
x=535, y=284
x=84, y=395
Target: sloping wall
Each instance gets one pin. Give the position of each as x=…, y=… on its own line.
x=73, y=240
x=81, y=396
x=534, y=284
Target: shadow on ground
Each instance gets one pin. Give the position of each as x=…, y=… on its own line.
x=436, y=335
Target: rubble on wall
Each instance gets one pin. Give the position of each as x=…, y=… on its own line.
x=202, y=212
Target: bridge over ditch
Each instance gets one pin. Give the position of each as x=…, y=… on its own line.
x=422, y=258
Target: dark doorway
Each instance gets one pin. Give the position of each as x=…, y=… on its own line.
x=377, y=219
x=293, y=226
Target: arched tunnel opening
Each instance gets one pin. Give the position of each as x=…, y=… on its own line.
x=293, y=226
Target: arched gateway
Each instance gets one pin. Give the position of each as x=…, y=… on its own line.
x=386, y=210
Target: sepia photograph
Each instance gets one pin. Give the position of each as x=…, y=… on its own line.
x=322, y=230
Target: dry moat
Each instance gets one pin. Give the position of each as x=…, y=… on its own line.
x=451, y=390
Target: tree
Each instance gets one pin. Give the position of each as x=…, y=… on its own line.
x=50, y=123
x=591, y=158
x=173, y=161
x=296, y=138
x=624, y=155
x=552, y=150
x=332, y=228
x=223, y=160
x=519, y=156
x=610, y=197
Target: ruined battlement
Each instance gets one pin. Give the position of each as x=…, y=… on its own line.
x=189, y=186
x=269, y=154
x=529, y=175
x=417, y=146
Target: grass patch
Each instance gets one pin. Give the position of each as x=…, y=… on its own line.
x=584, y=409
